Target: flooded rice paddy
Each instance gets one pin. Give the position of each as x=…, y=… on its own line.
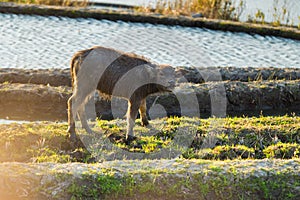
x=49, y=42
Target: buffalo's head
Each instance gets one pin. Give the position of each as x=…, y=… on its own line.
x=166, y=77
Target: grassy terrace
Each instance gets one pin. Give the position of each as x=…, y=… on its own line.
x=234, y=138
x=65, y=173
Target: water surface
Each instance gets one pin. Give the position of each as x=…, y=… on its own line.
x=49, y=42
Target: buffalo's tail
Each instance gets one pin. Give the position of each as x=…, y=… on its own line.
x=76, y=61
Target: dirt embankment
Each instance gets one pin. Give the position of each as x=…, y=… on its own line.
x=158, y=179
x=51, y=77
x=42, y=94
x=61, y=77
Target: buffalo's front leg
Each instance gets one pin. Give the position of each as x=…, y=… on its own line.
x=143, y=113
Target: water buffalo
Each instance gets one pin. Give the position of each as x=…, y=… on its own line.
x=119, y=74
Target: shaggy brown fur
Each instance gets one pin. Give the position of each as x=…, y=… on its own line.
x=115, y=73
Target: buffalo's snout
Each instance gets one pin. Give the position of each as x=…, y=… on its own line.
x=171, y=83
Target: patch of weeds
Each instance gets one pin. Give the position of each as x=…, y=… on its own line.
x=174, y=121
x=143, y=143
x=216, y=186
x=151, y=144
x=108, y=184
x=215, y=168
x=255, y=133
x=95, y=186
x=190, y=154
x=231, y=152
x=283, y=151
x=277, y=186
x=48, y=155
x=38, y=142
x=222, y=153
x=103, y=124
x=204, y=189
x=76, y=191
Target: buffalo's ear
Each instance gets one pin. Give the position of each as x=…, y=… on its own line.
x=148, y=72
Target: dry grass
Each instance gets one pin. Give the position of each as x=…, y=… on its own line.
x=216, y=9
x=74, y=3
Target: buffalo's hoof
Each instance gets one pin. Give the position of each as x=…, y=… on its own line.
x=145, y=123
x=130, y=139
x=76, y=143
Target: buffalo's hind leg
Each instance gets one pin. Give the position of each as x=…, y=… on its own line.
x=143, y=113
x=83, y=119
x=75, y=104
x=71, y=122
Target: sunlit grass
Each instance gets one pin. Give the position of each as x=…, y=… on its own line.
x=233, y=138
